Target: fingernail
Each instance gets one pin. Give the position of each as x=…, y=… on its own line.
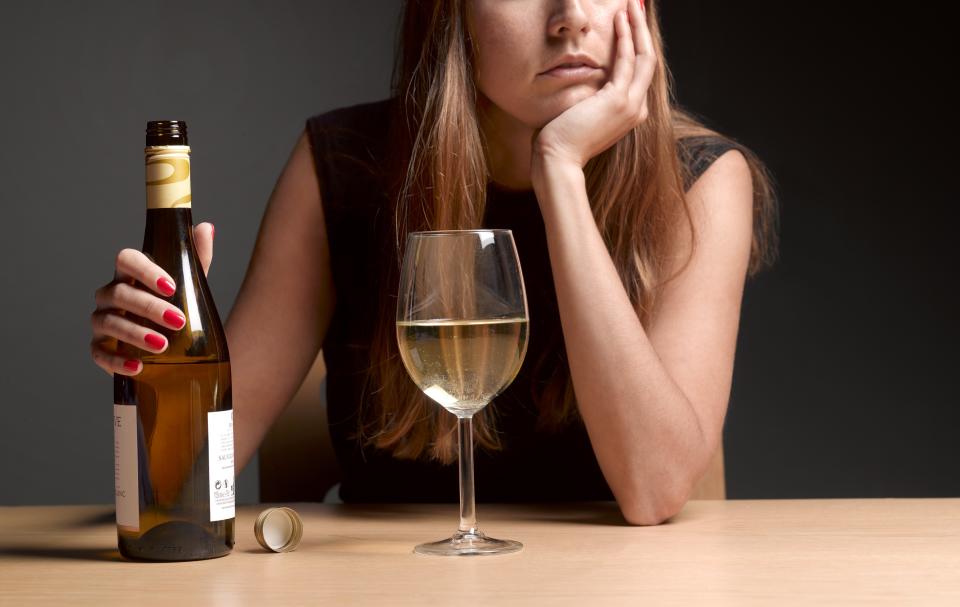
x=166, y=286
x=174, y=318
x=131, y=365
x=213, y=231
x=155, y=341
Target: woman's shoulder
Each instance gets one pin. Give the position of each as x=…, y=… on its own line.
x=371, y=118
x=349, y=145
x=698, y=152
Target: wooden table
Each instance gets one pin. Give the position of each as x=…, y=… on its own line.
x=772, y=552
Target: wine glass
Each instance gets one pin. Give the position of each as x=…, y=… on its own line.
x=462, y=331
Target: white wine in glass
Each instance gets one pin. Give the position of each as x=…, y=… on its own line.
x=462, y=331
x=462, y=364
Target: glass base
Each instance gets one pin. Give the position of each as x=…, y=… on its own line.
x=468, y=544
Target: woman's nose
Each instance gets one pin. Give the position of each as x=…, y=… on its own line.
x=569, y=18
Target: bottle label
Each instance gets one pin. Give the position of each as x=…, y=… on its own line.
x=222, y=488
x=168, y=176
x=126, y=483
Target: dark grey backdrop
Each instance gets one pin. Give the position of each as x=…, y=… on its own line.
x=80, y=80
x=842, y=384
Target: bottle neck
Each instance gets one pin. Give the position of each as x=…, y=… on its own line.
x=165, y=227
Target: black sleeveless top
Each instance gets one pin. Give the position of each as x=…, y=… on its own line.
x=349, y=150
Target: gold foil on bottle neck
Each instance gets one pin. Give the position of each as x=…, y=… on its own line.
x=168, y=176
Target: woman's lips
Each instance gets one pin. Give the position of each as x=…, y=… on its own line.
x=573, y=72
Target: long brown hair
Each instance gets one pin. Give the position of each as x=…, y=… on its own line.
x=439, y=178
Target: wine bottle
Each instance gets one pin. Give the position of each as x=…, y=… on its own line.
x=173, y=422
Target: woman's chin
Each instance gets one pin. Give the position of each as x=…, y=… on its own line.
x=537, y=114
x=563, y=100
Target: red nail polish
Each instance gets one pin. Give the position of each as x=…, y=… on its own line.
x=174, y=318
x=213, y=231
x=165, y=286
x=131, y=365
x=155, y=341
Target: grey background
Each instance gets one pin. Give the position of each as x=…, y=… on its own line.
x=80, y=81
x=843, y=381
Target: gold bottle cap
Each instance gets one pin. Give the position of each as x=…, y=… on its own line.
x=278, y=529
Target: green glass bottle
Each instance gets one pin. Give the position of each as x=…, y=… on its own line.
x=173, y=422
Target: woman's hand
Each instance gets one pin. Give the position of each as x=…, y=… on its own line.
x=109, y=323
x=597, y=122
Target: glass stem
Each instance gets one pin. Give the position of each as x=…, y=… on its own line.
x=468, y=507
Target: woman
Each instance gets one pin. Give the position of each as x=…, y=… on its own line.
x=636, y=228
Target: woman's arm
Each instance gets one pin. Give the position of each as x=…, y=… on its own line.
x=653, y=401
x=284, y=306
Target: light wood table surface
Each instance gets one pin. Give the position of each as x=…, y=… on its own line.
x=736, y=552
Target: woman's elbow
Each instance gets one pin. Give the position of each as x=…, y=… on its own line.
x=653, y=511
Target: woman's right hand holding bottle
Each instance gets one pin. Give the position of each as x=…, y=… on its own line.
x=111, y=325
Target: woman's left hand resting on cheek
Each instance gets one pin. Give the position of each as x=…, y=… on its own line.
x=597, y=122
